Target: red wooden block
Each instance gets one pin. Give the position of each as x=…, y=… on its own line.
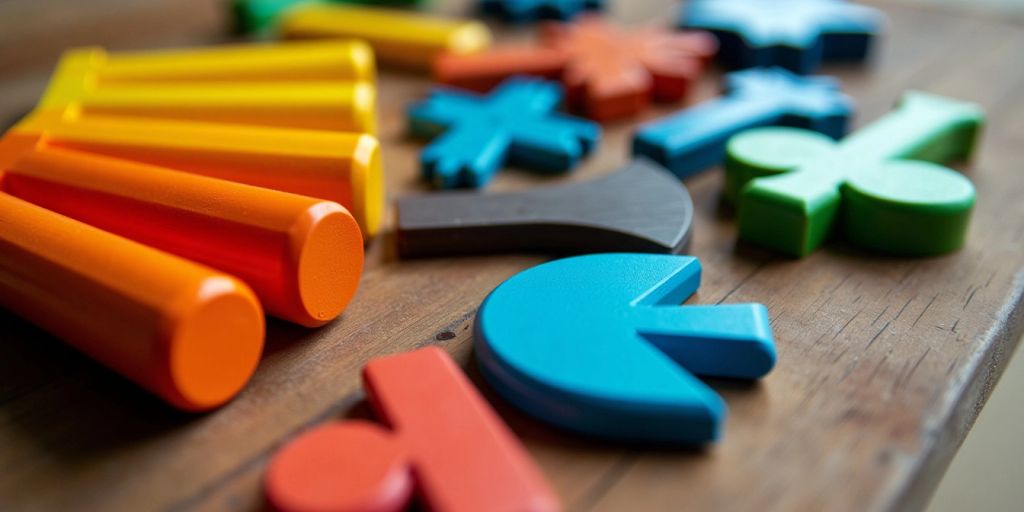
x=608, y=73
x=443, y=440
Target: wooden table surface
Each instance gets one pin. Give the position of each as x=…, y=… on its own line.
x=883, y=362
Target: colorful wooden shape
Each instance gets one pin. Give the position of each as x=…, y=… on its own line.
x=608, y=73
x=694, y=138
x=302, y=256
x=530, y=10
x=316, y=85
x=795, y=34
x=261, y=16
x=639, y=208
x=599, y=344
x=189, y=334
x=340, y=167
x=442, y=438
x=515, y=123
x=794, y=184
x=400, y=38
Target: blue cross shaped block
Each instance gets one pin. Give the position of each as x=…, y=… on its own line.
x=599, y=344
x=794, y=34
x=519, y=11
x=694, y=138
x=515, y=123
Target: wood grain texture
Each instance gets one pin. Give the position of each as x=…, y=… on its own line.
x=883, y=362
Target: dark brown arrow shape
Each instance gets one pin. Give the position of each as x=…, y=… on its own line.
x=639, y=208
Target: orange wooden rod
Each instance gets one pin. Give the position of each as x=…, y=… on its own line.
x=188, y=333
x=302, y=256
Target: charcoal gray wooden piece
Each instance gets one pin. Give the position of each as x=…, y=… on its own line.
x=639, y=208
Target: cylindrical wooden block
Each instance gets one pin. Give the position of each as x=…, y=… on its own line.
x=313, y=85
x=340, y=167
x=187, y=333
x=399, y=38
x=302, y=256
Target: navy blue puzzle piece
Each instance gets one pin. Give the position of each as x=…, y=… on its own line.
x=694, y=138
x=519, y=11
x=599, y=344
x=515, y=123
x=795, y=34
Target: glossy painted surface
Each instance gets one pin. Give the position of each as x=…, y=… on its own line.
x=302, y=256
x=609, y=73
x=638, y=208
x=795, y=34
x=441, y=440
x=310, y=84
x=399, y=38
x=190, y=335
x=598, y=344
x=883, y=181
x=694, y=138
x=519, y=11
x=515, y=124
x=337, y=166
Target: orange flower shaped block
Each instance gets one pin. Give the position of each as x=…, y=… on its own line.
x=189, y=334
x=608, y=73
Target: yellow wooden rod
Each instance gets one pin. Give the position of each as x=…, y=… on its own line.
x=398, y=37
x=317, y=85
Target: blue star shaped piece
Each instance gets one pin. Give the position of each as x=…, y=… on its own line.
x=795, y=34
x=519, y=11
x=694, y=138
x=599, y=344
x=516, y=123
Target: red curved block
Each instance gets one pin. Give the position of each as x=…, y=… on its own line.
x=443, y=441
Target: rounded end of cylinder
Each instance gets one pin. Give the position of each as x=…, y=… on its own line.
x=367, y=181
x=364, y=107
x=327, y=249
x=469, y=37
x=364, y=65
x=215, y=345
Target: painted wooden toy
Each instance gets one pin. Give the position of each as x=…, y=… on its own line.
x=317, y=85
x=336, y=166
x=302, y=256
x=795, y=34
x=518, y=11
x=189, y=334
x=261, y=16
x=694, y=138
x=516, y=123
x=608, y=73
x=442, y=441
x=793, y=185
x=639, y=208
x=599, y=344
x=399, y=38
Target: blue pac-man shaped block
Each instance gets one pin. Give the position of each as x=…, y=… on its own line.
x=600, y=345
x=794, y=34
x=515, y=123
x=694, y=138
x=529, y=10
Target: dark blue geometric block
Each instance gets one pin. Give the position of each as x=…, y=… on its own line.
x=515, y=123
x=794, y=34
x=519, y=11
x=599, y=344
x=694, y=139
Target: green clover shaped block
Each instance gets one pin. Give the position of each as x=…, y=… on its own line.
x=883, y=184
